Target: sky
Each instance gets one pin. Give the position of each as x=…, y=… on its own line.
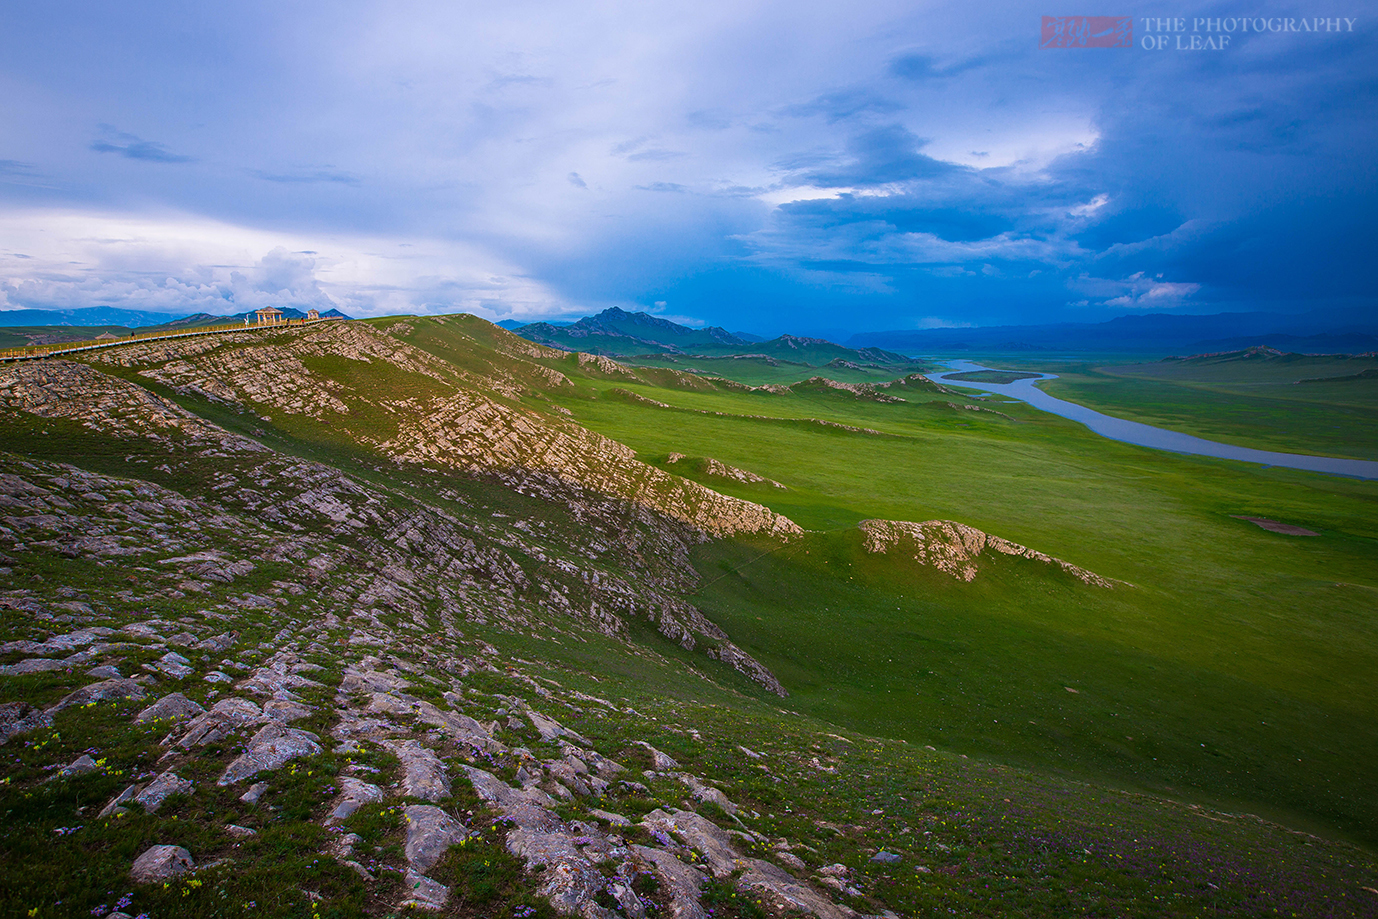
x=818, y=168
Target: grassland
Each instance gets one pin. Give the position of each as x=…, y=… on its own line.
x=1254, y=401
x=1227, y=665
x=1232, y=667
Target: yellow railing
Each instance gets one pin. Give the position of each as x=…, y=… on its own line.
x=30, y=352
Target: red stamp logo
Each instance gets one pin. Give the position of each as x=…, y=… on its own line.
x=1087, y=32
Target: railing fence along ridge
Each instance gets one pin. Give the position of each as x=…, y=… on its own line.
x=35, y=352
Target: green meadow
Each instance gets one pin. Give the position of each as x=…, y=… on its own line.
x=1323, y=404
x=1229, y=665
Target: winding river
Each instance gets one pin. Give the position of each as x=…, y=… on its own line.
x=1145, y=435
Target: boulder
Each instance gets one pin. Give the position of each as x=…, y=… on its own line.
x=423, y=774
x=430, y=833
x=79, y=766
x=271, y=748
x=422, y=892
x=172, y=706
x=160, y=789
x=104, y=691
x=160, y=863
x=20, y=718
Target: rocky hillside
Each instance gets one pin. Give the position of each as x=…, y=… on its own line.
x=325, y=623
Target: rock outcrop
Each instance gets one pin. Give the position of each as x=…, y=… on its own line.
x=956, y=549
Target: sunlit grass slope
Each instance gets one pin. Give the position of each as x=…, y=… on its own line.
x=1233, y=663
x=1256, y=400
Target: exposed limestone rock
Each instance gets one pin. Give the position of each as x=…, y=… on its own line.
x=271, y=748
x=172, y=664
x=160, y=789
x=116, y=805
x=706, y=793
x=682, y=882
x=423, y=774
x=422, y=892
x=223, y=719
x=955, y=548
x=430, y=832
x=785, y=889
x=160, y=863
x=20, y=718
x=104, y=691
x=550, y=729
x=33, y=665
x=172, y=706
x=80, y=766
x=354, y=794
x=661, y=762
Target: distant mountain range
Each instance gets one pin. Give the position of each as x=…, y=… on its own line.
x=1316, y=332
x=109, y=316
x=618, y=333
x=88, y=316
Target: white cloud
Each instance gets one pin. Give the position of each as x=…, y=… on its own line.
x=1134, y=292
x=178, y=263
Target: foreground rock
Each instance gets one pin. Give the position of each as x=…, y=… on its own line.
x=273, y=747
x=160, y=863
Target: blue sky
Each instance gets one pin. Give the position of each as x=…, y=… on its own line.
x=770, y=166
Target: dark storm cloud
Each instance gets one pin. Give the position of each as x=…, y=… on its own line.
x=888, y=163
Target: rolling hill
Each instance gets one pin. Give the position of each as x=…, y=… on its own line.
x=415, y=613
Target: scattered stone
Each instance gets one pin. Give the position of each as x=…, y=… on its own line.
x=32, y=665
x=792, y=860
x=255, y=792
x=79, y=766
x=104, y=691
x=160, y=789
x=423, y=772
x=173, y=664
x=271, y=748
x=430, y=832
x=239, y=832
x=217, y=676
x=172, y=706
x=661, y=762
x=423, y=893
x=886, y=858
x=354, y=794
x=105, y=672
x=116, y=805
x=160, y=863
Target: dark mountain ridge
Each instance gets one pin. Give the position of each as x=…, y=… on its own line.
x=1317, y=331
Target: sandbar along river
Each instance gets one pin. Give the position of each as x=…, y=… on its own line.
x=1146, y=435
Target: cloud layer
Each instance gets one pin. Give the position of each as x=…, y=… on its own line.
x=765, y=166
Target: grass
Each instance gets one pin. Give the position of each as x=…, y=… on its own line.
x=1231, y=667
x=1258, y=403
x=1225, y=628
